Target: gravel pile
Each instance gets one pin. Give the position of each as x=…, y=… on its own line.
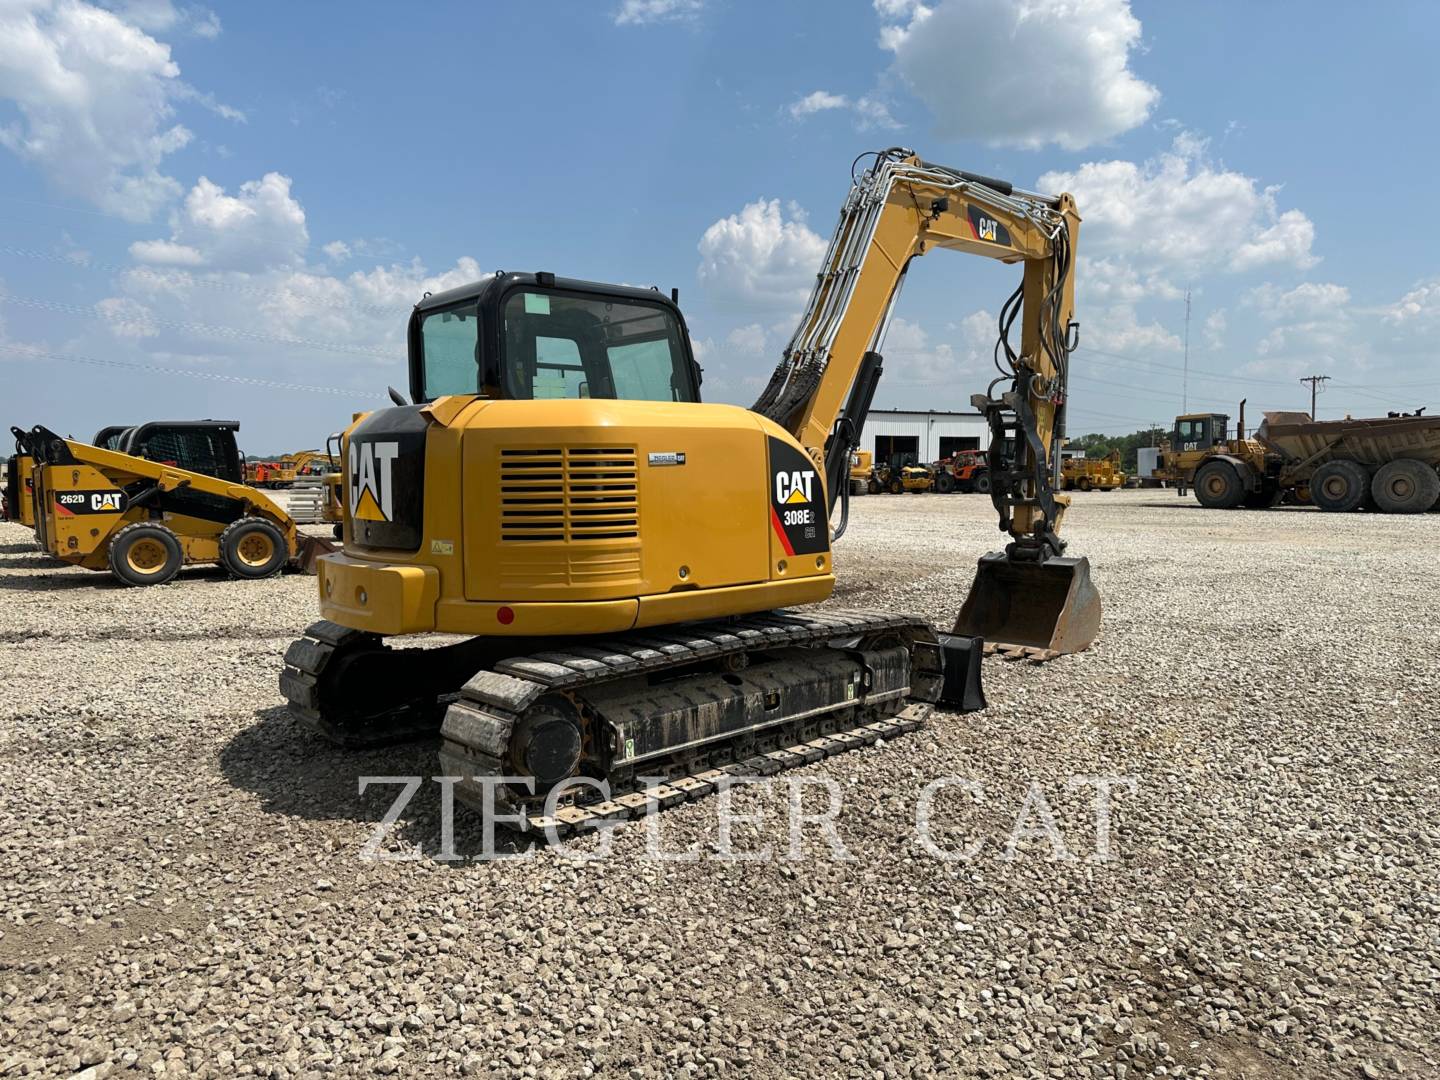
x=182, y=892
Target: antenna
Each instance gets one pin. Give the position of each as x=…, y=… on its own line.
x=1185, y=384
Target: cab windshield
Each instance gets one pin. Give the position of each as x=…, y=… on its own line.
x=561, y=345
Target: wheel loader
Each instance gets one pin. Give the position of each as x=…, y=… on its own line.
x=629, y=566
x=169, y=493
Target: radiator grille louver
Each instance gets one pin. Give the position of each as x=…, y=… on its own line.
x=568, y=494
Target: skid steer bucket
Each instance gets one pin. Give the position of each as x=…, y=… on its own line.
x=1035, y=605
x=308, y=550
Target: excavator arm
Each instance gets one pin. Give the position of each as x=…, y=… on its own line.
x=900, y=208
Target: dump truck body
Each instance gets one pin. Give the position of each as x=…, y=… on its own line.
x=1387, y=463
x=1307, y=444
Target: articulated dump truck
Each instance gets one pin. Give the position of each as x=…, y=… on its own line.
x=1390, y=464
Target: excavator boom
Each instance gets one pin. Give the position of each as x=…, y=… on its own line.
x=1030, y=595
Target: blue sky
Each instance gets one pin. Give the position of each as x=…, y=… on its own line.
x=192, y=197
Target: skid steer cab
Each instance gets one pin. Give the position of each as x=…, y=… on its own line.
x=156, y=497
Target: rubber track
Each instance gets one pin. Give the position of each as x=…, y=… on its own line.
x=477, y=726
x=569, y=820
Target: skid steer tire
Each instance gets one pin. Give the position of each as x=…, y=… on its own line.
x=1339, y=486
x=1405, y=486
x=252, y=548
x=145, y=554
x=1218, y=486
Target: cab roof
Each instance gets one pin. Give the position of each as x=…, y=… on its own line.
x=504, y=279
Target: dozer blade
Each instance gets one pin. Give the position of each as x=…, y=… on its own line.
x=1036, y=605
x=308, y=550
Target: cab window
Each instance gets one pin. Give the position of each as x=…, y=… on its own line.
x=450, y=336
x=1189, y=431
x=563, y=345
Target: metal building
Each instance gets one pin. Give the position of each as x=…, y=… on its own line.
x=902, y=436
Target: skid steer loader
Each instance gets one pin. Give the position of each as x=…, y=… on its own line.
x=156, y=497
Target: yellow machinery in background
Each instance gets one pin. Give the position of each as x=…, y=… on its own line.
x=617, y=553
x=914, y=479
x=862, y=470
x=170, y=494
x=19, y=482
x=1092, y=474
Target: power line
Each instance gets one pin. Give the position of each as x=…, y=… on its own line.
x=193, y=278
x=271, y=384
x=201, y=329
x=1315, y=381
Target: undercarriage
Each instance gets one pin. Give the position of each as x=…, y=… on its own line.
x=651, y=716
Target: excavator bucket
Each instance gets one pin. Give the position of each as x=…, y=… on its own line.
x=1049, y=605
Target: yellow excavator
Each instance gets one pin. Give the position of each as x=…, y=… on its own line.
x=623, y=559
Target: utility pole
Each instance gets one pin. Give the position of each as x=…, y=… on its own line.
x=1185, y=383
x=1314, y=381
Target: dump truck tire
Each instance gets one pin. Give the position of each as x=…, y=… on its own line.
x=944, y=484
x=1218, y=486
x=982, y=483
x=1405, y=486
x=145, y=554
x=253, y=548
x=1339, y=486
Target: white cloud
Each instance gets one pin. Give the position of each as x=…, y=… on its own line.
x=759, y=258
x=93, y=95
x=162, y=16
x=128, y=318
x=337, y=250
x=916, y=364
x=1307, y=300
x=1117, y=328
x=234, y=280
x=1021, y=72
x=166, y=253
x=260, y=226
x=1311, y=321
x=1418, y=307
x=1215, y=326
x=868, y=113
x=641, y=12
x=1113, y=280
x=748, y=339
x=818, y=101
x=1179, y=210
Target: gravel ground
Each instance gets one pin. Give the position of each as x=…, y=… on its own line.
x=182, y=889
